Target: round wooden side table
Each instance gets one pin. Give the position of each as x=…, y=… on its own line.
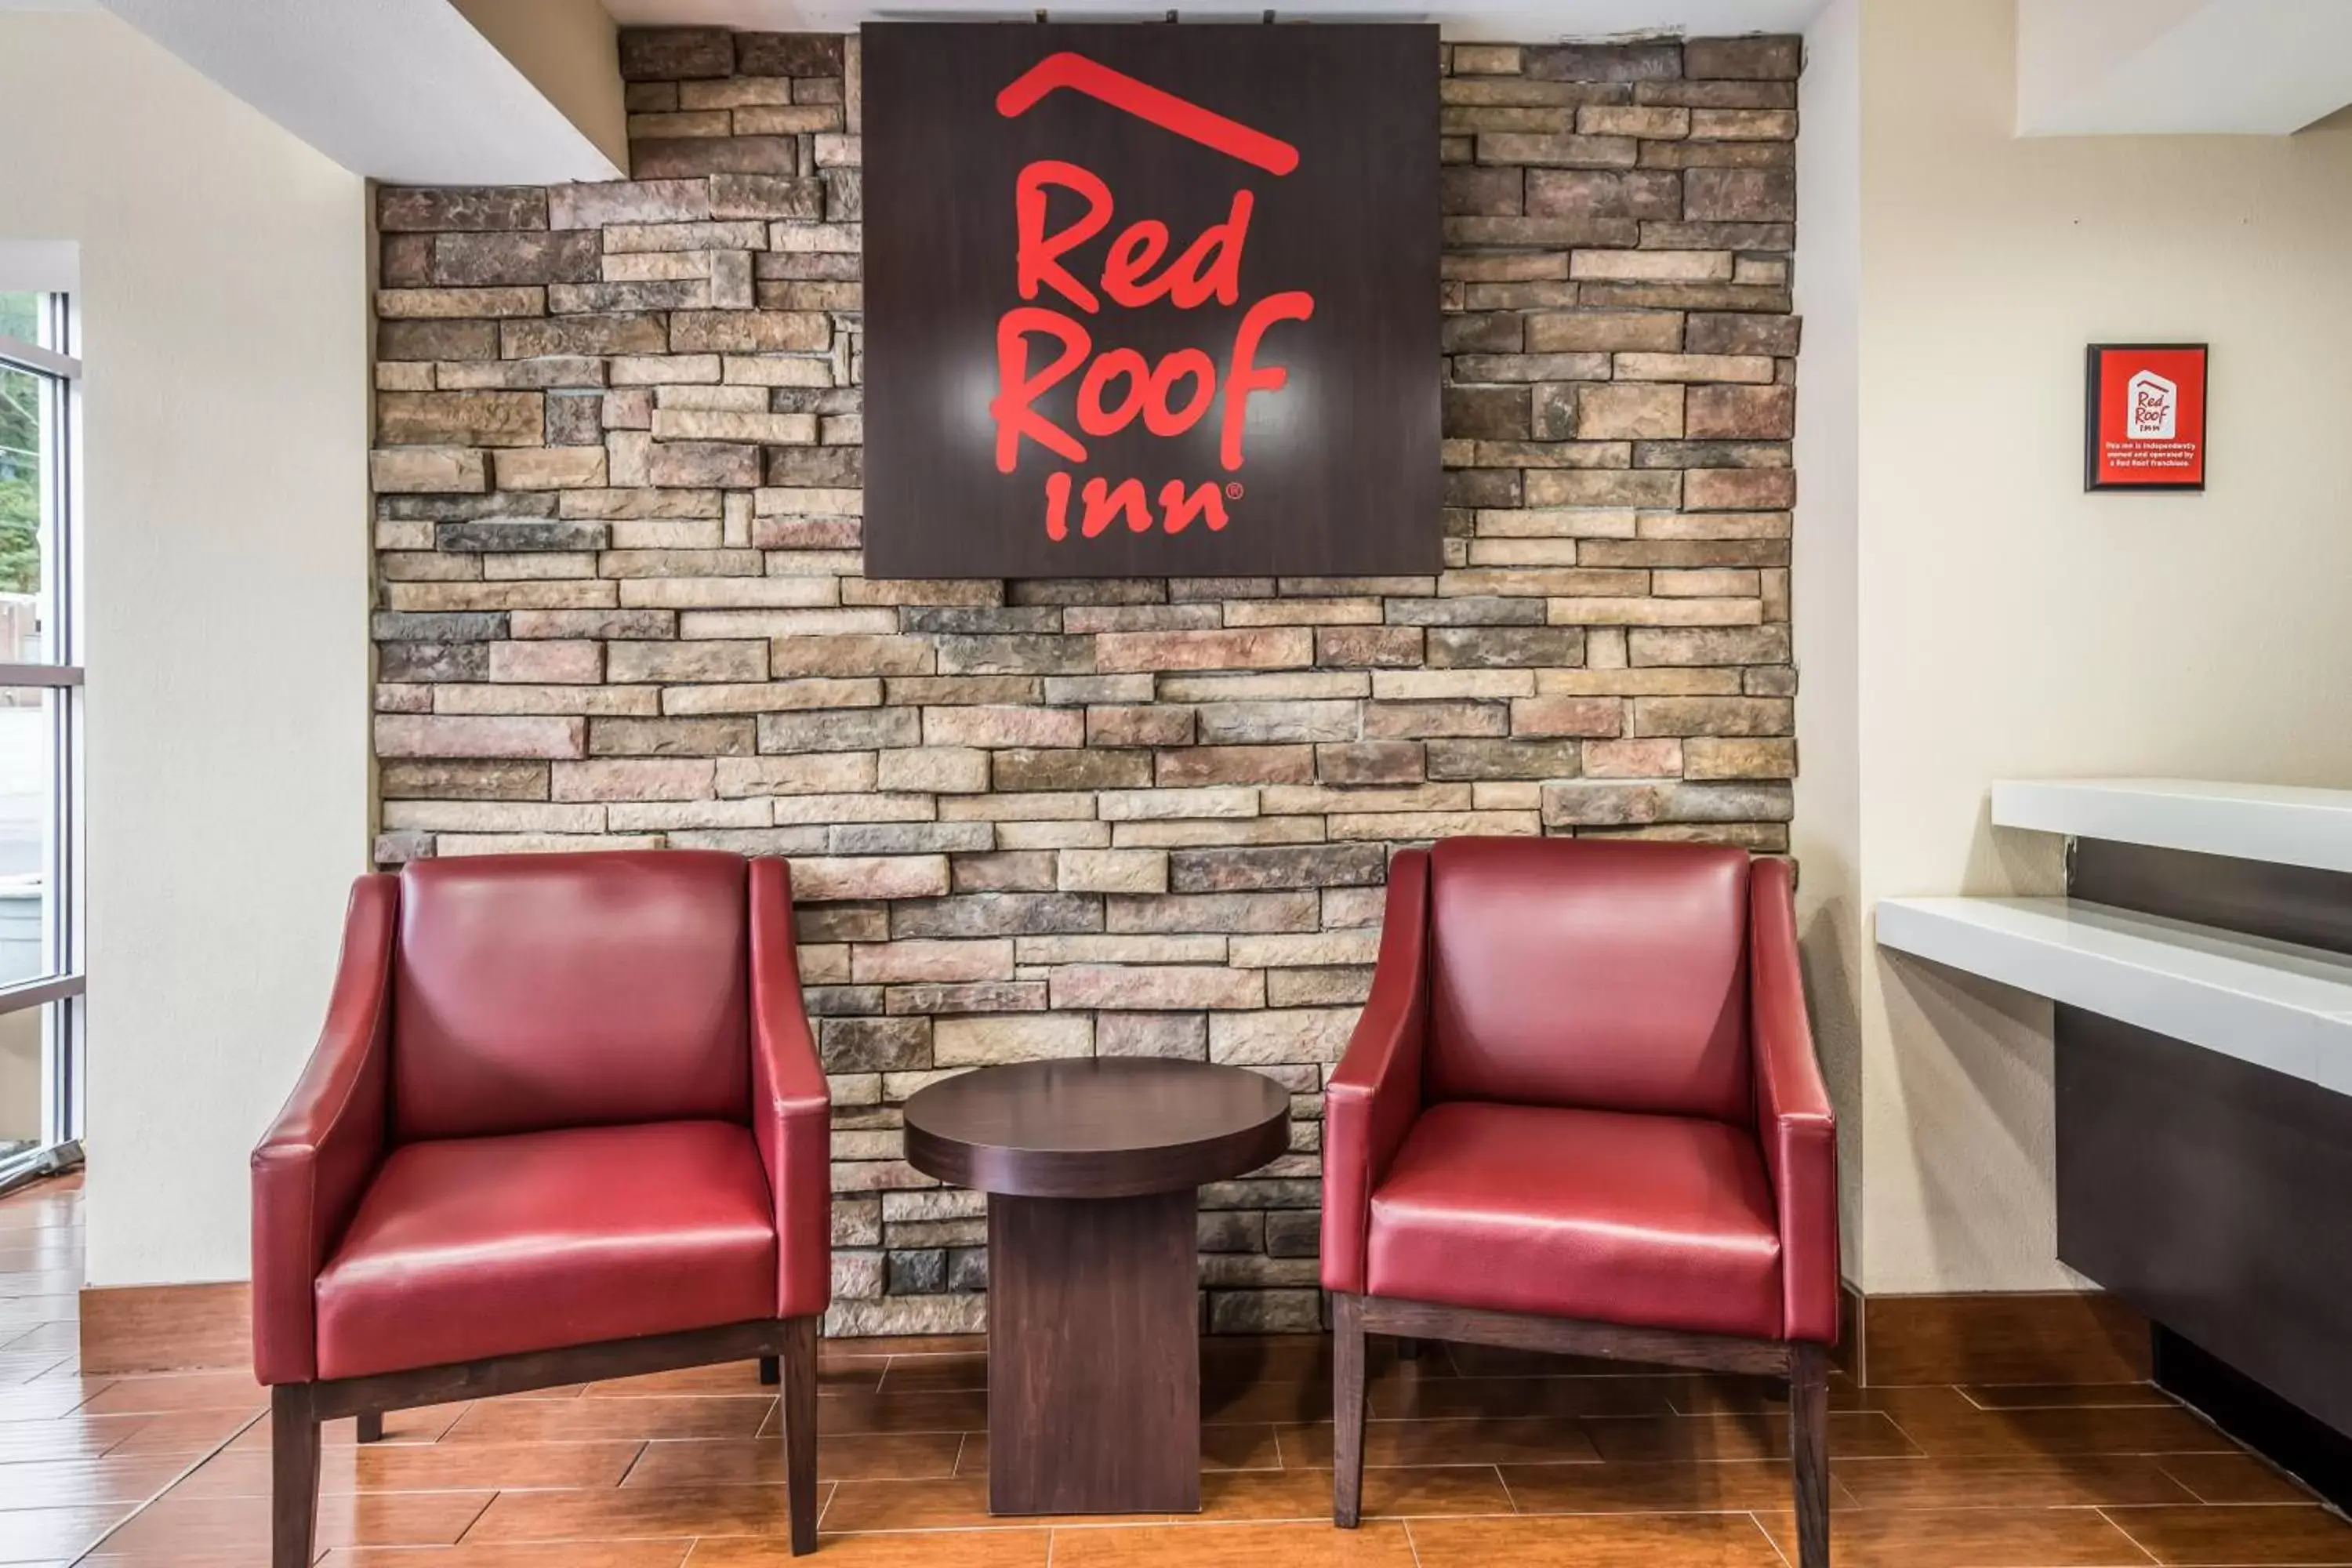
x=1091, y=1168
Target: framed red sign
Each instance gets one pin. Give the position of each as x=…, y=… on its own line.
x=2144, y=418
x=1151, y=299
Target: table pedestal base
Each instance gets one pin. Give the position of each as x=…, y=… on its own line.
x=1094, y=1355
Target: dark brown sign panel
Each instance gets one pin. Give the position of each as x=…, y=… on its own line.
x=1151, y=299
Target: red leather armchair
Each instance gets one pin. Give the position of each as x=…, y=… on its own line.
x=565, y=1121
x=1581, y=1113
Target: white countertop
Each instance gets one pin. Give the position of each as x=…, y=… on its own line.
x=2279, y=823
x=2279, y=1005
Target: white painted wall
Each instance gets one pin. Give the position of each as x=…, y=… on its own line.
x=1826, y=834
x=2008, y=624
x=223, y=277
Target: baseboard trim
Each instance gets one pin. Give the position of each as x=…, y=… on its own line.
x=2289, y=1437
x=166, y=1328
x=2057, y=1336
x=1995, y=1337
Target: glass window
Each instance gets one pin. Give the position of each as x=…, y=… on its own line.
x=40, y=705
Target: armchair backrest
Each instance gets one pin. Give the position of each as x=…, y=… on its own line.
x=533, y=992
x=1605, y=974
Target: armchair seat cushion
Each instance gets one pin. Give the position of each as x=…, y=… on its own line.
x=1611, y=1217
x=464, y=1249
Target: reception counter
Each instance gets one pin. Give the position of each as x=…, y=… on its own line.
x=2201, y=963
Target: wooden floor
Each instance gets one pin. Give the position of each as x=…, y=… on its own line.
x=1480, y=1458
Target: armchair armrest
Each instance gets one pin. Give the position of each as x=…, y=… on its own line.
x=1374, y=1094
x=791, y=1105
x=1793, y=1117
x=318, y=1158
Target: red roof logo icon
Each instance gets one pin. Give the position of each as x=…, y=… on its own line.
x=1178, y=116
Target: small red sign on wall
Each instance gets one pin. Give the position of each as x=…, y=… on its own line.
x=2143, y=421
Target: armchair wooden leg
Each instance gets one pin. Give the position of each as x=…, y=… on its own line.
x=1809, y=1417
x=370, y=1424
x=293, y=1475
x=798, y=1371
x=1347, y=1408
x=770, y=1372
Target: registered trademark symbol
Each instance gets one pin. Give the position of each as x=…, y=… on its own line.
x=1233, y=492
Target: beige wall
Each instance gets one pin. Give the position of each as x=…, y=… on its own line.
x=2009, y=624
x=223, y=279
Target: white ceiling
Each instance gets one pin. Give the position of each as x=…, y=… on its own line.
x=1518, y=21
x=402, y=90
x=2111, y=67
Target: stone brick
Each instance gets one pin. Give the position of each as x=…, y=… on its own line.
x=1712, y=716
x=1254, y=868
x=1175, y=1036
x=459, y=208
x=1489, y=648
x=819, y=879
x=1598, y=802
x=687, y=157
x=1010, y=1037
x=463, y=780
x=1633, y=759
x=550, y=468
x=567, y=255
x=1707, y=757
x=429, y=469
x=1491, y=413
x=1602, y=62
x=1743, y=413
x=1504, y=759
x=1728, y=333
x=788, y=55
x=1749, y=59
x=1270, y=648
x=839, y=730
x=1558, y=152
x=444, y=304
x=1026, y=768
x=461, y=419
x=1113, y=870
x=874, y=1045
x=1369, y=763
x=1735, y=488
x=699, y=465
x=404, y=736
x=1154, y=987
x=1566, y=715
x=623, y=201
x=945, y=770
x=748, y=332
x=1630, y=411
x=1744, y=124
x=1740, y=195
x=757, y=196
x=1707, y=644
x=623, y=333
x=672, y=54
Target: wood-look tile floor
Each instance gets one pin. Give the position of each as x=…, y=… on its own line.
x=1478, y=1456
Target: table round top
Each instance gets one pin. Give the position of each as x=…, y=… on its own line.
x=1110, y=1126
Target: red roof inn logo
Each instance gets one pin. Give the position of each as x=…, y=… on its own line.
x=2155, y=407
x=1119, y=386
x=2143, y=418
x=1207, y=345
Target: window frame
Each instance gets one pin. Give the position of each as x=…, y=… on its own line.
x=52, y=359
